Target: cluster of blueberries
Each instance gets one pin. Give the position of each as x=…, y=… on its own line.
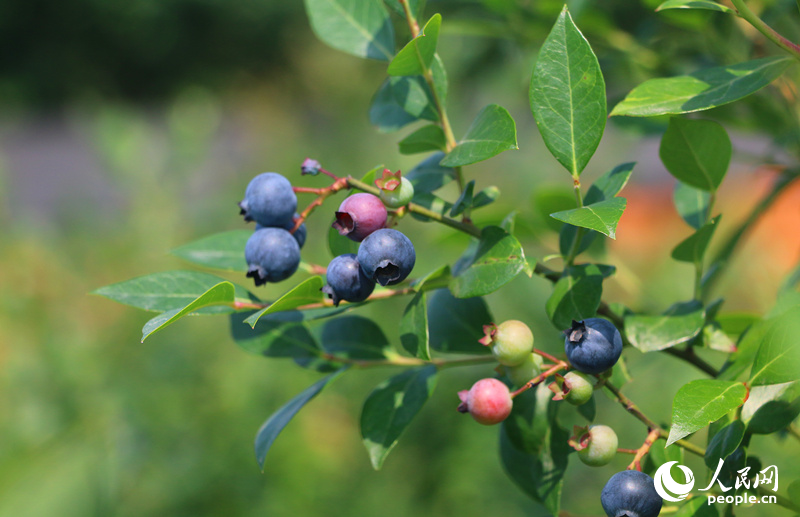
x=592, y=346
x=385, y=256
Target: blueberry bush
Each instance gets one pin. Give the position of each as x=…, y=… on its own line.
x=747, y=366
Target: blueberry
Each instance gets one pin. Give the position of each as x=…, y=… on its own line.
x=299, y=235
x=272, y=255
x=578, y=388
x=359, y=215
x=346, y=281
x=511, y=342
x=269, y=200
x=396, y=191
x=386, y=256
x=488, y=401
x=593, y=345
x=599, y=446
x=630, y=493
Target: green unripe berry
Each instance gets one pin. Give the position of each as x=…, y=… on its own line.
x=578, y=387
x=527, y=370
x=400, y=196
x=600, y=446
x=511, y=342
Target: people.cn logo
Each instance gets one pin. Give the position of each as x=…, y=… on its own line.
x=666, y=486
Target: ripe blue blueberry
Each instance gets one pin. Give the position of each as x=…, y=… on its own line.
x=630, y=493
x=386, y=256
x=346, y=281
x=359, y=215
x=269, y=200
x=299, y=235
x=593, y=345
x=272, y=255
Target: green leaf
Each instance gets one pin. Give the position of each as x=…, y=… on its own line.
x=695, y=4
x=359, y=27
x=576, y=295
x=539, y=474
x=678, y=324
x=464, y=201
x=549, y=199
x=305, y=293
x=528, y=425
x=400, y=101
x=417, y=55
x=701, y=90
x=602, y=216
x=497, y=259
x=391, y=407
x=439, y=79
x=275, y=424
x=660, y=454
x=428, y=175
x=436, y=279
x=272, y=338
x=692, y=204
x=774, y=416
x=609, y=184
x=424, y=139
x=339, y=244
x=170, y=290
x=492, y=132
x=222, y=293
x=724, y=443
x=354, y=337
x=568, y=95
x=456, y=325
x=414, y=328
x=693, y=248
x=219, y=251
x=778, y=354
x=696, y=152
x=701, y=402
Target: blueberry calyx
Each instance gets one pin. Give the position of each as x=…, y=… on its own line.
x=344, y=223
x=577, y=332
x=387, y=272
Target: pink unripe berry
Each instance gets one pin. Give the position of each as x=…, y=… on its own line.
x=488, y=401
x=359, y=215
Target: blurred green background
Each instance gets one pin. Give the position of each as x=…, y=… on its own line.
x=130, y=128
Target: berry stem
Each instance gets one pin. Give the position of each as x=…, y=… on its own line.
x=560, y=365
x=323, y=194
x=771, y=34
x=547, y=356
x=652, y=436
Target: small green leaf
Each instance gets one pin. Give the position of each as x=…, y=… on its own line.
x=485, y=197
x=354, y=337
x=568, y=95
x=602, y=216
x=414, y=328
x=701, y=90
x=272, y=338
x=724, y=443
x=497, y=259
x=417, y=55
x=492, y=132
x=464, y=201
x=436, y=279
x=456, y=324
x=576, y=295
x=400, y=101
x=391, y=407
x=696, y=152
x=359, y=27
x=693, y=248
x=774, y=416
x=428, y=175
x=678, y=324
x=219, y=251
x=275, y=424
x=609, y=184
x=439, y=79
x=339, y=244
x=169, y=290
x=692, y=204
x=424, y=139
x=222, y=293
x=305, y=293
x=695, y=4
x=701, y=402
x=778, y=354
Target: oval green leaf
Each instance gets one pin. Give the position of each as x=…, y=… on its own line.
x=391, y=407
x=416, y=57
x=695, y=4
x=414, y=334
x=568, y=95
x=456, y=324
x=724, y=443
x=678, y=324
x=696, y=152
x=693, y=248
x=359, y=27
x=496, y=260
x=424, y=139
x=702, y=90
x=576, y=295
x=492, y=132
x=306, y=292
x=602, y=216
x=354, y=337
x=221, y=294
x=701, y=402
x=692, y=204
x=778, y=354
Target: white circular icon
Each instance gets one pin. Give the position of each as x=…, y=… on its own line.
x=665, y=484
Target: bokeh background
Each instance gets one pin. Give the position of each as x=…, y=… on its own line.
x=130, y=128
